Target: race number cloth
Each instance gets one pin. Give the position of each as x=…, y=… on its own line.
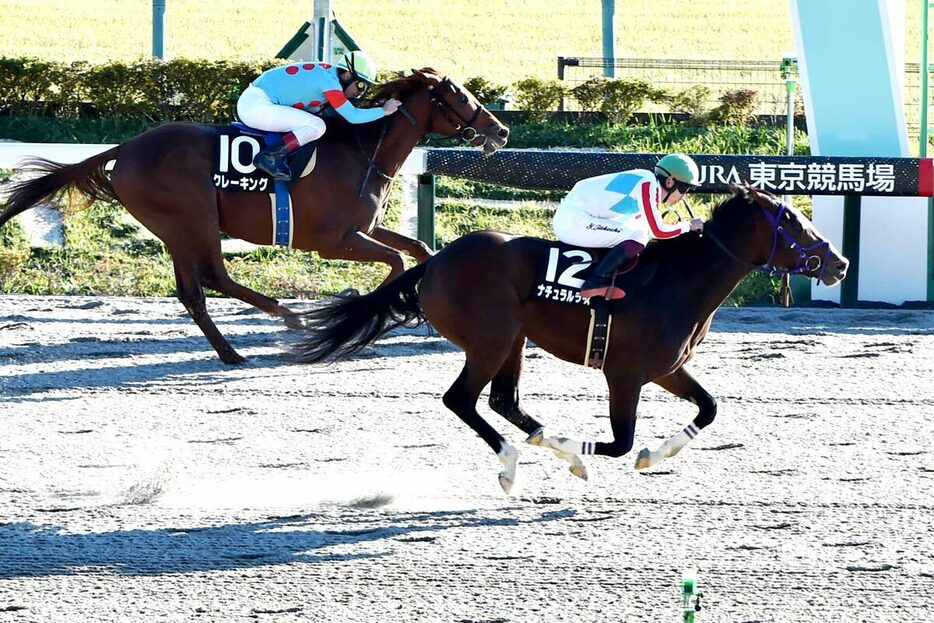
x=562, y=268
x=561, y=272
x=235, y=147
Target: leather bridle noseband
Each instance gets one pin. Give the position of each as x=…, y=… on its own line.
x=464, y=126
x=809, y=258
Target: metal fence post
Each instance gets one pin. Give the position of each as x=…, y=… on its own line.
x=158, y=28
x=849, y=289
x=609, y=38
x=561, y=77
x=426, y=209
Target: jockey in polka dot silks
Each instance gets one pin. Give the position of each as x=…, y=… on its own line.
x=290, y=97
x=621, y=210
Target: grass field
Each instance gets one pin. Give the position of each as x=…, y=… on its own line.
x=499, y=39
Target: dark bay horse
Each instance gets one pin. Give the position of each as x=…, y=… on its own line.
x=164, y=178
x=477, y=293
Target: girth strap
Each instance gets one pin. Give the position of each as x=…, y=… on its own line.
x=598, y=335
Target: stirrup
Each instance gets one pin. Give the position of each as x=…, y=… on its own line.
x=608, y=292
x=277, y=169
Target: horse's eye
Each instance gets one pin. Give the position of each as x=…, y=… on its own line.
x=463, y=99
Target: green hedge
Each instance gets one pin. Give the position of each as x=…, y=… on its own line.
x=147, y=90
x=201, y=90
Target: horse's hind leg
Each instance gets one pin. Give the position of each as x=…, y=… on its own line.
x=215, y=276
x=504, y=391
x=462, y=398
x=191, y=294
x=504, y=399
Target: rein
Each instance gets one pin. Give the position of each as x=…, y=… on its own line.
x=466, y=132
x=809, y=259
x=371, y=162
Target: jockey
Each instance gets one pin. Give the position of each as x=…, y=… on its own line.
x=621, y=210
x=289, y=99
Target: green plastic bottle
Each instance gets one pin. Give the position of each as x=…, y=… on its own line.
x=690, y=598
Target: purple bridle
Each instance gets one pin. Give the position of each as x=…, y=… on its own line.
x=807, y=256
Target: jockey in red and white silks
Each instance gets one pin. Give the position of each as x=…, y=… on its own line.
x=609, y=209
x=622, y=211
x=288, y=99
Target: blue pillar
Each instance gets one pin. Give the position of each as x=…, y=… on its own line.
x=850, y=63
x=158, y=28
x=609, y=37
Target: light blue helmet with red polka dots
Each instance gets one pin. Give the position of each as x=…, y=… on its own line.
x=359, y=64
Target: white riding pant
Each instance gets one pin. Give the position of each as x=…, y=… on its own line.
x=258, y=111
x=574, y=226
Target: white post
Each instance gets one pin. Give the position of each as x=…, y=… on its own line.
x=322, y=24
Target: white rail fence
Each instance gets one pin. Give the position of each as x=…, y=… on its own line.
x=43, y=224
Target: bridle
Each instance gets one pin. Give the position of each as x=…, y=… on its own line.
x=463, y=125
x=809, y=258
x=466, y=132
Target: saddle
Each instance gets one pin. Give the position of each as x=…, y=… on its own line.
x=562, y=273
x=233, y=170
x=563, y=268
x=234, y=149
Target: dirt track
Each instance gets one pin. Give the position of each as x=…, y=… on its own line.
x=143, y=480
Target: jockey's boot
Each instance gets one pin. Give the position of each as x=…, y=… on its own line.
x=272, y=160
x=600, y=281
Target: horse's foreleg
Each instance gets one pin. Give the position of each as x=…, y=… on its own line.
x=359, y=247
x=416, y=248
x=565, y=449
x=624, y=400
x=681, y=384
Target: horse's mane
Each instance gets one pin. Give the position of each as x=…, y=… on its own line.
x=341, y=130
x=683, y=247
x=400, y=87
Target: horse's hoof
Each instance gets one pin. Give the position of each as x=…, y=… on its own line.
x=535, y=439
x=643, y=460
x=579, y=470
x=232, y=358
x=294, y=322
x=506, y=482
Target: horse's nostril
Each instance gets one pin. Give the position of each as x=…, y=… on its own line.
x=504, y=133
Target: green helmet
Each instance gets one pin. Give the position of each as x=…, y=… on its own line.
x=680, y=167
x=360, y=65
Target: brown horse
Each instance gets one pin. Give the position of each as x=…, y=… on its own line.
x=477, y=293
x=164, y=178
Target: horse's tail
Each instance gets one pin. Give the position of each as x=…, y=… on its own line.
x=345, y=325
x=87, y=177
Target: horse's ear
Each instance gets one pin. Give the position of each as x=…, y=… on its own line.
x=426, y=75
x=763, y=196
x=421, y=75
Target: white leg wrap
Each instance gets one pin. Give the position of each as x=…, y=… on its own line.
x=570, y=451
x=674, y=445
x=570, y=446
x=668, y=449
